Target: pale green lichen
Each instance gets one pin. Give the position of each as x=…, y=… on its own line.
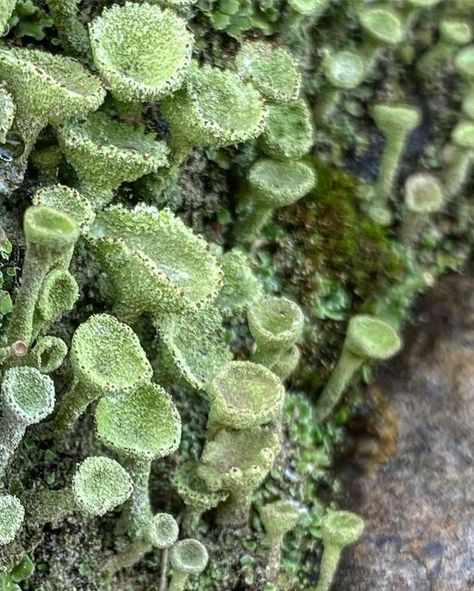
x=142, y=52
x=106, y=152
x=367, y=338
x=27, y=397
x=106, y=357
x=156, y=264
x=288, y=132
x=243, y=395
x=12, y=514
x=187, y=557
x=7, y=113
x=272, y=71
x=339, y=529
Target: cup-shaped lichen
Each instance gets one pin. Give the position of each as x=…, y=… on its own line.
x=214, y=108
x=58, y=294
x=464, y=64
x=72, y=32
x=68, y=201
x=273, y=184
x=50, y=237
x=106, y=152
x=195, y=494
x=240, y=287
x=459, y=166
x=453, y=33
x=278, y=519
x=27, y=398
x=192, y=347
x=344, y=70
x=46, y=88
x=142, y=426
x=339, y=529
x=48, y=354
x=237, y=462
x=141, y=51
x=395, y=122
x=382, y=28
x=276, y=324
x=106, y=357
x=288, y=132
x=187, y=557
x=12, y=514
x=155, y=263
x=367, y=338
x=424, y=195
x=243, y=395
x=99, y=485
x=272, y=71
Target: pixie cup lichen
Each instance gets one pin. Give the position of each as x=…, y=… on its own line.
x=288, y=132
x=339, y=529
x=275, y=324
x=48, y=354
x=195, y=494
x=27, y=398
x=71, y=30
x=278, y=519
x=459, y=165
x=47, y=88
x=395, y=122
x=141, y=51
x=273, y=184
x=240, y=286
x=214, y=108
x=424, y=195
x=12, y=514
x=155, y=263
x=243, y=395
x=106, y=152
x=272, y=71
x=383, y=28
x=141, y=427
x=344, y=70
x=68, y=201
x=6, y=9
x=106, y=357
x=187, y=557
x=192, y=347
x=464, y=64
x=99, y=485
x=237, y=462
x=367, y=338
x=50, y=237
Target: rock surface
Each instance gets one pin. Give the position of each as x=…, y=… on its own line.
x=419, y=505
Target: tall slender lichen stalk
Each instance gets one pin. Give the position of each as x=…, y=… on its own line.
x=367, y=338
x=50, y=235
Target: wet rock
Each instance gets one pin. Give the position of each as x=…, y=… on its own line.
x=419, y=506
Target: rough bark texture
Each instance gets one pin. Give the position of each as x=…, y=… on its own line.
x=419, y=506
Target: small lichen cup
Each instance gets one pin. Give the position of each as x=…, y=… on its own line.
x=272, y=184
x=27, y=398
x=187, y=557
x=237, y=462
x=424, y=196
x=243, y=395
x=459, y=165
x=276, y=323
x=367, y=338
x=141, y=427
x=50, y=237
x=106, y=358
x=278, y=519
x=99, y=485
x=339, y=529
